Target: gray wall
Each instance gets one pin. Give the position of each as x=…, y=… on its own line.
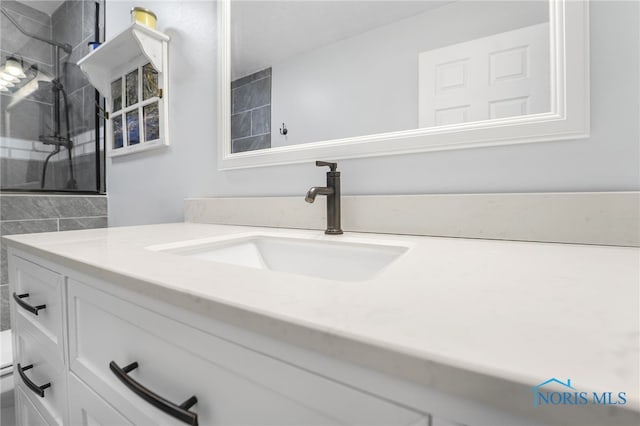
x=368, y=83
x=606, y=161
x=27, y=214
x=251, y=112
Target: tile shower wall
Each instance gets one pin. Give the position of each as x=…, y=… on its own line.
x=26, y=214
x=21, y=158
x=251, y=112
x=74, y=23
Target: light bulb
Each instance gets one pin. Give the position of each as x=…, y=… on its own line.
x=14, y=68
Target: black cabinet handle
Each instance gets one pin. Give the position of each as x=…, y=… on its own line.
x=180, y=412
x=39, y=390
x=33, y=309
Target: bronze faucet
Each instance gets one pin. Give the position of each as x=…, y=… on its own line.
x=332, y=191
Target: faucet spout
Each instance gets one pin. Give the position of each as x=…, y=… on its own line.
x=317, y=190
x=332, y=191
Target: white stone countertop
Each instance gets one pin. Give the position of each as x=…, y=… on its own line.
x=455, y=314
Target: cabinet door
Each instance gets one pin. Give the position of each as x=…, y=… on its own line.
x=137, y=348
x=86, y=408
x=26, y=412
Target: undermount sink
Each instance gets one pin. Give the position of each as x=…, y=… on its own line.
x=341, y=258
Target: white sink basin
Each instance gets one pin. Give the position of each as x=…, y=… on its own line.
x=336, y=258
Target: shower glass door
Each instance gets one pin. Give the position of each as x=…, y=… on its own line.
x=51, y=130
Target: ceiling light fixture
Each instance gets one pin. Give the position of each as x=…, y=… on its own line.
x=14, y=67
x=5, y=83
x=8, y=77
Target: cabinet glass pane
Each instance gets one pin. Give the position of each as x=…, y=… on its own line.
x=116, y=95
x=117, y=132
x=133, y=128
x=151, y=122
x=149, y=82
x=132, y=87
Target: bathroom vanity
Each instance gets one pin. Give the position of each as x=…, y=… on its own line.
x=128, y=325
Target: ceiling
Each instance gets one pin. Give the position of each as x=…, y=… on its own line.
x=264, y=33
x=46, y=6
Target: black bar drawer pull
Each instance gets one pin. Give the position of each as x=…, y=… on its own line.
x=39, y=390
x=180, y=412
x=33, y=309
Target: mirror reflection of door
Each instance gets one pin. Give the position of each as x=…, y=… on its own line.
x=328, y=70
x=503, y=75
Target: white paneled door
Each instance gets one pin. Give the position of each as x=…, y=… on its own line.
x=499, y=76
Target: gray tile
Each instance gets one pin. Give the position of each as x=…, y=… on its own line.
x=28, y=226
x=59, y=11
x=80, y=206
x=260, y=120
x=5, y=319
x=241, y=125
x=76, y=112
x=52, y=180
x=252, y=77
x=20, y=174
x=89, y=18
x=4, y=264
x=24, y=10
x=22, y=227
x=16, y=207
x=26, y=120
x=43, y=93
x=61, y=178
x=89, y=114
x=73, y=77
x=252, y=95
x=14, y=41
x=251, y=143
x=83, y=223
x=67, y=23
x=85, y=172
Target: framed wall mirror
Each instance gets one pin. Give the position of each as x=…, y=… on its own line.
x=309, y=80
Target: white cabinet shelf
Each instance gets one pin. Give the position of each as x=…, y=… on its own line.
x=119, y=63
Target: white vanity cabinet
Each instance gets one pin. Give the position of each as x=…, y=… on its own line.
x=26, y=412
x=39, y=342
x=105, y=329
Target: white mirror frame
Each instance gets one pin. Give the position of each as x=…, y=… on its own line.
x=568, y=119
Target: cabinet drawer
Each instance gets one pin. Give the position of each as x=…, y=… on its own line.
x=86, y=408
x=42, y=289
x=26, y=412
x=41, y=376
x=233, y=384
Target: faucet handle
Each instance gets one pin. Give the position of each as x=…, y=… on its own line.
x=331, y=166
